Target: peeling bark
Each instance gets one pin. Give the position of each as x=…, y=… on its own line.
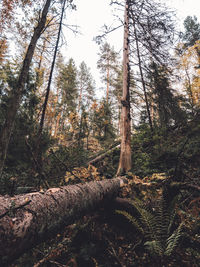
x=28, y=219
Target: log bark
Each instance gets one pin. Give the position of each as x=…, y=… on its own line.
x=28, y=219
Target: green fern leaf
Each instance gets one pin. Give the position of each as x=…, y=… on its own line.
x=131, y=219
x=154, y=247
x=173, y=240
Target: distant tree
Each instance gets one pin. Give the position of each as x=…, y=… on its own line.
x=67, y=85
x=16, y=95
x=108, y=65
x=101, y=122
x=3, y=49
x=25, y=121
x=189, y=72
x=166, y=104
x=7, y=11
x=84, y=129
x=189, y=60
x=192, y=31
x=67, y=81
x=86, y=86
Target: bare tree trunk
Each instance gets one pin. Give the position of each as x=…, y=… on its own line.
x=119, y=113
x=125, y=155
x=16, y=94
x=26, y=220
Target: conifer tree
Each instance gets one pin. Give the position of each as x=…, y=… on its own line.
x=16, y=95
x=166, y=104
x=108, y=65
x=192, y=31
x=86, y=86
x=101, y=122
x=189, y=61
x=67, y=85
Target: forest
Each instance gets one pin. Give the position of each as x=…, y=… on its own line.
x=89, y=180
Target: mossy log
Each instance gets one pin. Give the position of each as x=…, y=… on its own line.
x=28, y=219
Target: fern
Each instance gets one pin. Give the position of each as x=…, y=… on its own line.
x=154, y=247
x=131, y=219
x=165, y=215
x=173, y=241
x=146, y=218
x=156, y=226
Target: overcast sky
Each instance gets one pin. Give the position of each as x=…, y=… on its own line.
x=91, y=15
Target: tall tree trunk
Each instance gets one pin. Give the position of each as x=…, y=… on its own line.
x=51, y=74
x=125, y=154
x=16, y=94
x=142, y=79
x=26, y=220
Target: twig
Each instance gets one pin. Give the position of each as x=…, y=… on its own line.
x=98, y=38
x=113, y=253
x=48, y=258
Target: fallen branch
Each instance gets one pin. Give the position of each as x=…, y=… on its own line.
x=103, y=155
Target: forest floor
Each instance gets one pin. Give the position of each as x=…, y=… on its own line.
x=103, y=239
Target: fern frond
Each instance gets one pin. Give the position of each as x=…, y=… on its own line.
x=156, y=224
x=172, y=213
x=154, y=247
x=165, y=215
x=146, y=218
x=173, y=240
x=131, y=219
x=162, y=219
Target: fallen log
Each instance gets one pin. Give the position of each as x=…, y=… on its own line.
x=28, y=219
